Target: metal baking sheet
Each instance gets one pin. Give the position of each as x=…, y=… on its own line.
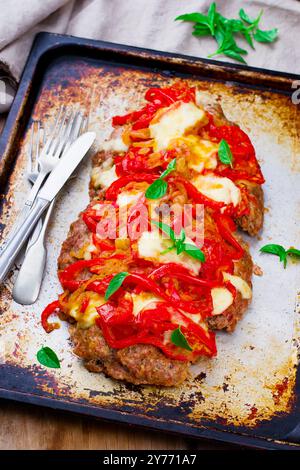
x=249, y=393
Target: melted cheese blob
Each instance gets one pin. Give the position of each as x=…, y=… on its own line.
x=142, y=301
x=115, y=145
x=87, y=318
x=240, y=285
x=128, y=198
x=222, y=298
x=203, y=153
x=218, y=188
x=151, y=245
x=173, y=122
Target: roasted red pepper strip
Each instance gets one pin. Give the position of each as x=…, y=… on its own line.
x=89, y=222
x=114, y=189
x=149, y=327
x=226, y=226
x=174, y=270
x=68, y=275
x=49, y=310
x=84, y=305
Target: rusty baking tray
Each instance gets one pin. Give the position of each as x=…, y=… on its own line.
x=249, y=394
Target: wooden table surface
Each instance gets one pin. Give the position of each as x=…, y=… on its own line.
x=34, y=428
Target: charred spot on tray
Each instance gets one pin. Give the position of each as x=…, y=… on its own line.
x=200, y=377
x=280, y=389
x=225, y=387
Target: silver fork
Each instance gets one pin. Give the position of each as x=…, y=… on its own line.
x=29, y=280
x=53, y=149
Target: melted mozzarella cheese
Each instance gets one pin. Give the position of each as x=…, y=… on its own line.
x=240, y=285
x=103, y=177
x=115, y=145
x=202, y=152
x=87, y=318
x=151, y=245
x=142, y=301
x=173, y=122
x=218, y=188
x=222, y=298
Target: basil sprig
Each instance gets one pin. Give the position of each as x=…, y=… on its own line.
x=47, y=357
x=178, y=338
x=281, y=252
x=224, y=153
x=159, y=187
x=179, y=243
x=115, y=284
x=224, y=30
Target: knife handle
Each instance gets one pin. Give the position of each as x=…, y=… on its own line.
x=15, y=244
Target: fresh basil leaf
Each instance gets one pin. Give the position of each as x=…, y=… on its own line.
x=243, y=15
x=232, y=24
x=179, y=242
x=277, y=250
x=178, y=338
x=248, y=38
x=171, y=167
x=201, y=31
x=198, y=18
x=179, y=247
x=266, y=36
x=115, y=284
x=157, y=189
x=219, y=34
x=293, y=252
x=165, y=228
x=224, y=153
x=181, y=236
x=194, y=17
x=234, y=55
x=47, y=357
x=194, y=251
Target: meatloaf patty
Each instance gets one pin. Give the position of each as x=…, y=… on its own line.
x=138, y=364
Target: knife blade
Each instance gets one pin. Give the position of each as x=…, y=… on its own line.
x=66, y=166
x=49, y=190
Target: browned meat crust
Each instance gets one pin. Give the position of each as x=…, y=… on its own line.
x=77, y=237
x=139, y=364
x=253, y=222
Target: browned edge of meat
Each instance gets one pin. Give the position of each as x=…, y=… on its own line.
x=138, y=364
x=253, y=222
x=229, y=319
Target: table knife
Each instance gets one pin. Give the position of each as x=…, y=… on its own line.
x=47, y=193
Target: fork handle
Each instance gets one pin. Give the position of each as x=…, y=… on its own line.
x=24, y=211
x=15, y=244
x=29, y=280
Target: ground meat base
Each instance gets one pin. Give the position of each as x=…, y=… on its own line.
x=138, y=364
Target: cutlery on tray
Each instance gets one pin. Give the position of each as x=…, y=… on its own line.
x=29, y=279
x=43, y=197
